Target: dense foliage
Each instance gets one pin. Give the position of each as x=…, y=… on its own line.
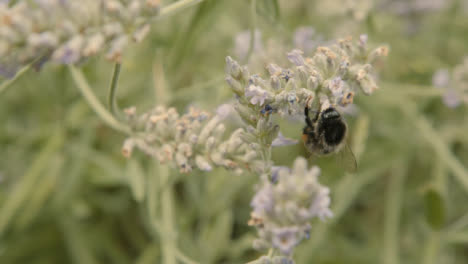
x=68, y=195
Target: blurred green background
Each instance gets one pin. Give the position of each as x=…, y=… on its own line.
x=68, y=196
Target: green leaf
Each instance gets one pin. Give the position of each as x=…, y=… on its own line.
x=269, y=9
x=201, y=21
x=217, y=234
x=136, y=180
x=434, y=209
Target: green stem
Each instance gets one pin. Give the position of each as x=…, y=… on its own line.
x=194, y=90
x=75, y=241
x=431, y=249
x=456, y=238
x=183, y=258
x=94, y=103
x=459, y=224
x=168, y=235
x=434, y=140
x=177, y=6
x=149, y=255
x=152, y=203
x=392, y=216
x=347, y=191
x=42, y=192
x=28, y=182
x=266, y=157
x=113, y=90
x=253, y=25
x=7, y=83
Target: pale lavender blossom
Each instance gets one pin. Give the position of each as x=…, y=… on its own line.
x=275, y=172
x=242, y=43
x=285, y=239
x=336, y=86
x=338, y=72
x=281, y=140
x=68, y=32
x=295, y=57
x=287, y=199
x=256, y=95
x=451, y=98
x=8, y=70
x=306, y=39
x=224, y=111
x=321, y=206
x=283, y=208
x=454, y=84
x=441, y=78
x=193, y=140
x=405, y=7
x=263, y=201
x=363, y=38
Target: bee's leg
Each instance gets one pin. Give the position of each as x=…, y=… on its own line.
x=307, y=118
x=308, y=134
x=317, y=113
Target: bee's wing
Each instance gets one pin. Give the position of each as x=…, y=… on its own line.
x=346, y=159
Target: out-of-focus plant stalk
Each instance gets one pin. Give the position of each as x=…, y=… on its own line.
x=346, y=191
x=161, y=90
x=459, y=224
x=149, y=255
x=434, y=140
x=94, y=103
x=392, y=215
x=28, y=182
x=75, y=241
x=113, y=90
x=253, y=26
x=412, y=90
x=177, y=6
x=7, y=83
x=153, y=202
x=360, y=135
x=38, y=197
x=168, y=232
x=431, y=248
x=456, y=238
x=183, y=258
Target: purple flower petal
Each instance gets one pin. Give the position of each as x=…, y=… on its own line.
x=441, y=78
x=8, y=70
x=281, y=140
x=295, y=57
x=451, y=98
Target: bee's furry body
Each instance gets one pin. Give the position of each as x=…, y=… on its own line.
x=326, y=133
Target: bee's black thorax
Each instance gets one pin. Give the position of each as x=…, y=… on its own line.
x=325, y=133
x=331, y=127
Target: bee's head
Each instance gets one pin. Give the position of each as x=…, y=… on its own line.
x=330, y=113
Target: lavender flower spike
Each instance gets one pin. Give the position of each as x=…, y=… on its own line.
x=282, y=210
x=68, y=32
x=194, y=140
x=334, y=74
x=454, y=84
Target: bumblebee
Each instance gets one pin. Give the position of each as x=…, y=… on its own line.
x=326, y=134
